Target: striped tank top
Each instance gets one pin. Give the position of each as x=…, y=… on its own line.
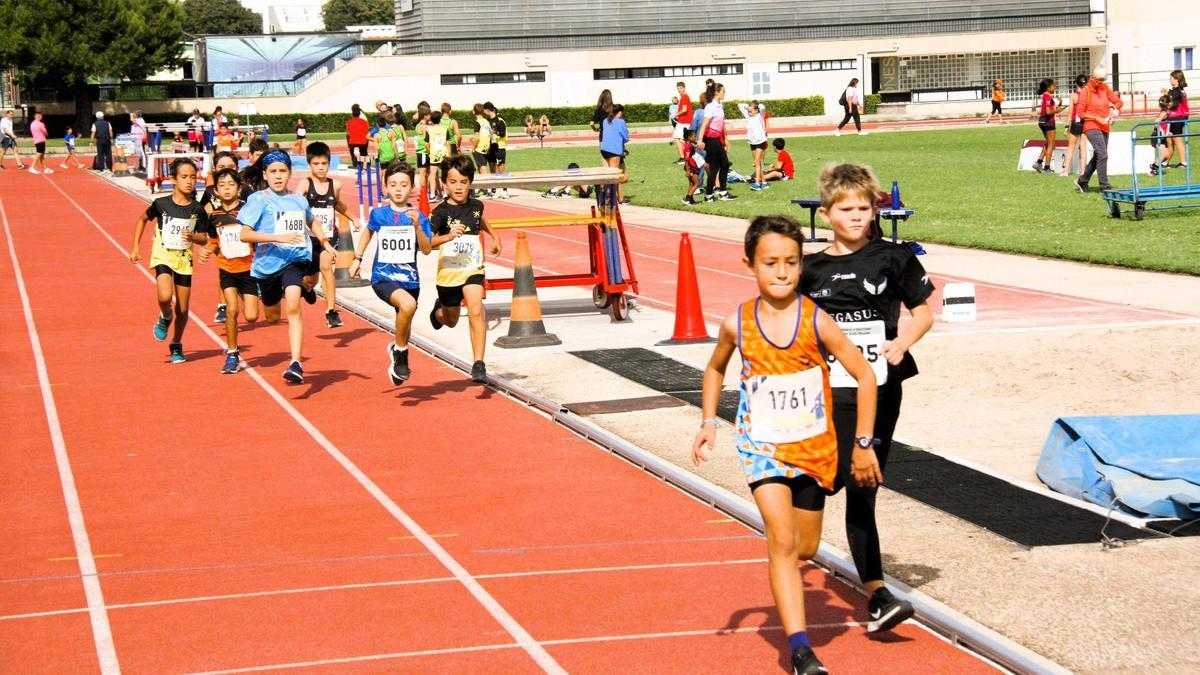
x=785, y=402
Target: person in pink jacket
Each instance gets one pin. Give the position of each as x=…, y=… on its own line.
x=1098, y=106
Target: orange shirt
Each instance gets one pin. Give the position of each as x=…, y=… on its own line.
x=219, y=218
x=1096, y=100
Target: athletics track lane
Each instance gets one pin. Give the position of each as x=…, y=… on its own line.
x=204, y=486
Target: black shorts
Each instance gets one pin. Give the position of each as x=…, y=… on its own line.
x=452, y=296
x=996, y=108
x=7, y=143
x=242, y=281
x=608, y=155
x=184, y=280
x=1176, y=128
x=758, y=146
x=358, y=152
x=454, y=148
x=807, y=494
x=1076, y=129
x=1047, y=126
x=481, y=159
x=40, y=148
x=385, y=289
x=271, y=288
x=497, y=155
x=422, y=160
x=314, y=263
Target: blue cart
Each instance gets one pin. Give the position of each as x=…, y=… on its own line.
x=1168, y=188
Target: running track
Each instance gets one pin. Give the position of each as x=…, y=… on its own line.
x=343, y=524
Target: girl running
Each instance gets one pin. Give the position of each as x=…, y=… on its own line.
x=867, y=311
x=1075, y=131
x=756, y=136
x=716, y=145
x=1046, y=108
x=69, y=141
x=784, y=436
x=998, y=97
x=239, y=290
x=180, y=221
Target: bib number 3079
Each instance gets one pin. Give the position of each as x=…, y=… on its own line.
x=868, y=336
x=787, y=408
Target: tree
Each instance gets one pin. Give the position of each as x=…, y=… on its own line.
x=341, y=13
x=220, y=17
x=56, y=44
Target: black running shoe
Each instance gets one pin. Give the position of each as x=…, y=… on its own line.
x=433, y=315
x=1081, y=186
x=219, y=317
x=309, y=295
x=886, y=611
x=805, y=662
x=724, y=196
x=479, y=373
x=688, y=201
x=1153, y=168
x=294, y=373
x=332, y=318
x=398, y=371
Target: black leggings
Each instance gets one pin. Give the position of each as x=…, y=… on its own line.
x=718, y=163
x=861, y=531
x=849, y=115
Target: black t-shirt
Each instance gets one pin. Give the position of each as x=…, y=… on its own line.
x=446, y=215
x=868, y=285
x=165, y=207
x=500, y=127
x=598, y=118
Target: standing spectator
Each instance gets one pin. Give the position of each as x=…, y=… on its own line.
x=1075, y=131
x=683, y=120
x=716, y=145
x=102, y=138
x=195, y=134
x=356, y=134
x=851, y=101
x=613, y=137
x=1177, y=115
x=301, y=131
x=1046, y=108
x=672, y=111
x=218, y=120
x=998, y=97
x=1100, y=105
x=37, y=129
x=603, y=111
x=137, y=129
x=756, y=135
x=8, y=140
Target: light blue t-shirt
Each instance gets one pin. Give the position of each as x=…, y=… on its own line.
x=271, y=213
x=697, y=120
x=396, y=245
x=615, y=136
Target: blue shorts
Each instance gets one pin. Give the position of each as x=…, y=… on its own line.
x=271, y=288
x=385, y=289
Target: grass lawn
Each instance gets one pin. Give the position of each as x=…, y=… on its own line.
x=962, y=183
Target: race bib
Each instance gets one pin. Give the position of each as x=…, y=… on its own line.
x=292, y=222
x=172, y=233
x=328, y=220
x=231, y=242
x=787, y=408
x=397, y=245
x=462, y=253
x=868, y=336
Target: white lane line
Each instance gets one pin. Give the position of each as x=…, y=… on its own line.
x=1068, y=328
x=387, y=584
x=523, y=638
x=567, y=641
x=106, y=651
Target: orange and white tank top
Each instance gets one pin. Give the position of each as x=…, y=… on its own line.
x=785, y=400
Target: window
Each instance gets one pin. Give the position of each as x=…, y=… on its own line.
x=805, y=66
x=760, y=83
x=495, y=78
x=1183, y=58
x=666, y=71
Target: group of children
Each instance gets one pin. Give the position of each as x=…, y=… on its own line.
x=273, y=246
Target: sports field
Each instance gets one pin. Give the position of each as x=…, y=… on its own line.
x=962, y=183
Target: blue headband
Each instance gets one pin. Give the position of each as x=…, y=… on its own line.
x=277, y=156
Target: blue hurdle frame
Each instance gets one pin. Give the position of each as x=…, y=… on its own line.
x=1140, y=195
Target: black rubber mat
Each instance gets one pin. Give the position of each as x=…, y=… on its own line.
x=1023, y=516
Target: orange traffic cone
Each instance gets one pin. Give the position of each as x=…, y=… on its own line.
x=689, y=318
x=525, y=327
x=423, y=201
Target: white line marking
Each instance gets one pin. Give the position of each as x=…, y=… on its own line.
x=1065, y=328
x=386, y=584
x=106, y=651
x=567, y=641
x=523, y=638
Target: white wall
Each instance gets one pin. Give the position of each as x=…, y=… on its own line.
x=1144, y=37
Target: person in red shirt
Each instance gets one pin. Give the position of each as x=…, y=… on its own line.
x=782, y=169
x=356, y=134
x=1098, y=106
x=683, y=120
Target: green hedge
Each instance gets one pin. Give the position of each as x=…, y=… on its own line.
x=871, y=104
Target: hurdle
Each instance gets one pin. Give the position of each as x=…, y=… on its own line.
x=1141, y=195
x=158, y=168
x=371, y=192
x=155, y=131
x=611, y=273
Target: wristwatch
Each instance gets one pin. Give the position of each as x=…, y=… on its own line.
x=865, y=442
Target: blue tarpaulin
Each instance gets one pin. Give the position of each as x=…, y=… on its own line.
x=1147, y=465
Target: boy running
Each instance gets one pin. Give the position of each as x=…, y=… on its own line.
x=785, y=439
x=862, y=282
x=782, y=168
x=394, y=276
x=325, y=199
x=180, y=221
x=281, y=222
x=457, y=225
x=221, y=160
x=234, y=259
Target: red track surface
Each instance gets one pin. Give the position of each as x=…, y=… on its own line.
x=238, y=522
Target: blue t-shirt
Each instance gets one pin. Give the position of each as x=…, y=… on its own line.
x=69, y=139
x=697, y=120
x=271, y=213
x=615, y=136
x=396, y=245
